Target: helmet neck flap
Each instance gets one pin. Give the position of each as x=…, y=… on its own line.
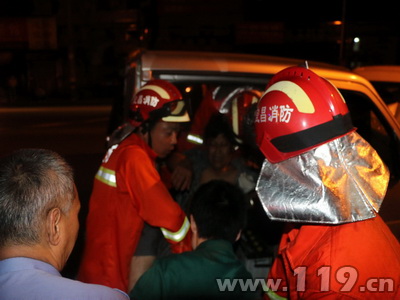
x=342, y=181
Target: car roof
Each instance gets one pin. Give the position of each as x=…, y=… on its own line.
x=252, y=69
x=388, y=73
x=237, y=63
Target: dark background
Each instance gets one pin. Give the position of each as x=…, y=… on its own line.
x=75, y=50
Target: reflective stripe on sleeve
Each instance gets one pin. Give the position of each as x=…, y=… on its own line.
x=178, y=235
x=106, y=176
x=195, y=139
x=274, y=296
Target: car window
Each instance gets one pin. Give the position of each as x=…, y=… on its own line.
x=195, y=92
x=371, y=125
x=390, y=93
x=370, y=122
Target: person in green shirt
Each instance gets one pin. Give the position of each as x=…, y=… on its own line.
x=217, y=215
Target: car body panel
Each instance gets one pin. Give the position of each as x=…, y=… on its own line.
x=379, y=72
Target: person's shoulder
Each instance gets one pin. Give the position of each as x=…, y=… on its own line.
x=176, y=260
x=128, y=147
x=132, y=142
x=175, y=257
x=371, y=235
x=134, y=149
x=363, y=230
x=45, y=283
x=93, y=291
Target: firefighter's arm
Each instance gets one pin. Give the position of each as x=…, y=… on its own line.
x=162, y=211
x=181, y=171
x=155, y=204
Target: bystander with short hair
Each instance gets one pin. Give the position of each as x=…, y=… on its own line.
x=217, y=216
x=39, y=208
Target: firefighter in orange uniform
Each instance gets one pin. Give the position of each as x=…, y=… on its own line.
x=128, y=190
x=328, y=183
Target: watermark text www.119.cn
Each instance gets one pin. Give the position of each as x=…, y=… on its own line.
x=346, y=276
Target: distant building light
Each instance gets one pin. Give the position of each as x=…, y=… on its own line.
x=356, y=44
x=337, y=23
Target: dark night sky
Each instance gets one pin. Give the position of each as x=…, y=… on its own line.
x=305, y=11
x=276, y=10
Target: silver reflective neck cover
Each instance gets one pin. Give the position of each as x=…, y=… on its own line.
x=342, y=181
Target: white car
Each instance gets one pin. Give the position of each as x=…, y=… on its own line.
x=193, y=72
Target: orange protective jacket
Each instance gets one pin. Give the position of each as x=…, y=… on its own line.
x=127, y=192
x=359, y=260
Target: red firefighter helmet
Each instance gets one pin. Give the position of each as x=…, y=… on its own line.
x=299, y=111
x=238, y=106
x=158, y=99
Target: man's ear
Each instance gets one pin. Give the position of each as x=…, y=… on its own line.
x=238, y=236
x=53, y=226
x=145, y=135
x=193, y=225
